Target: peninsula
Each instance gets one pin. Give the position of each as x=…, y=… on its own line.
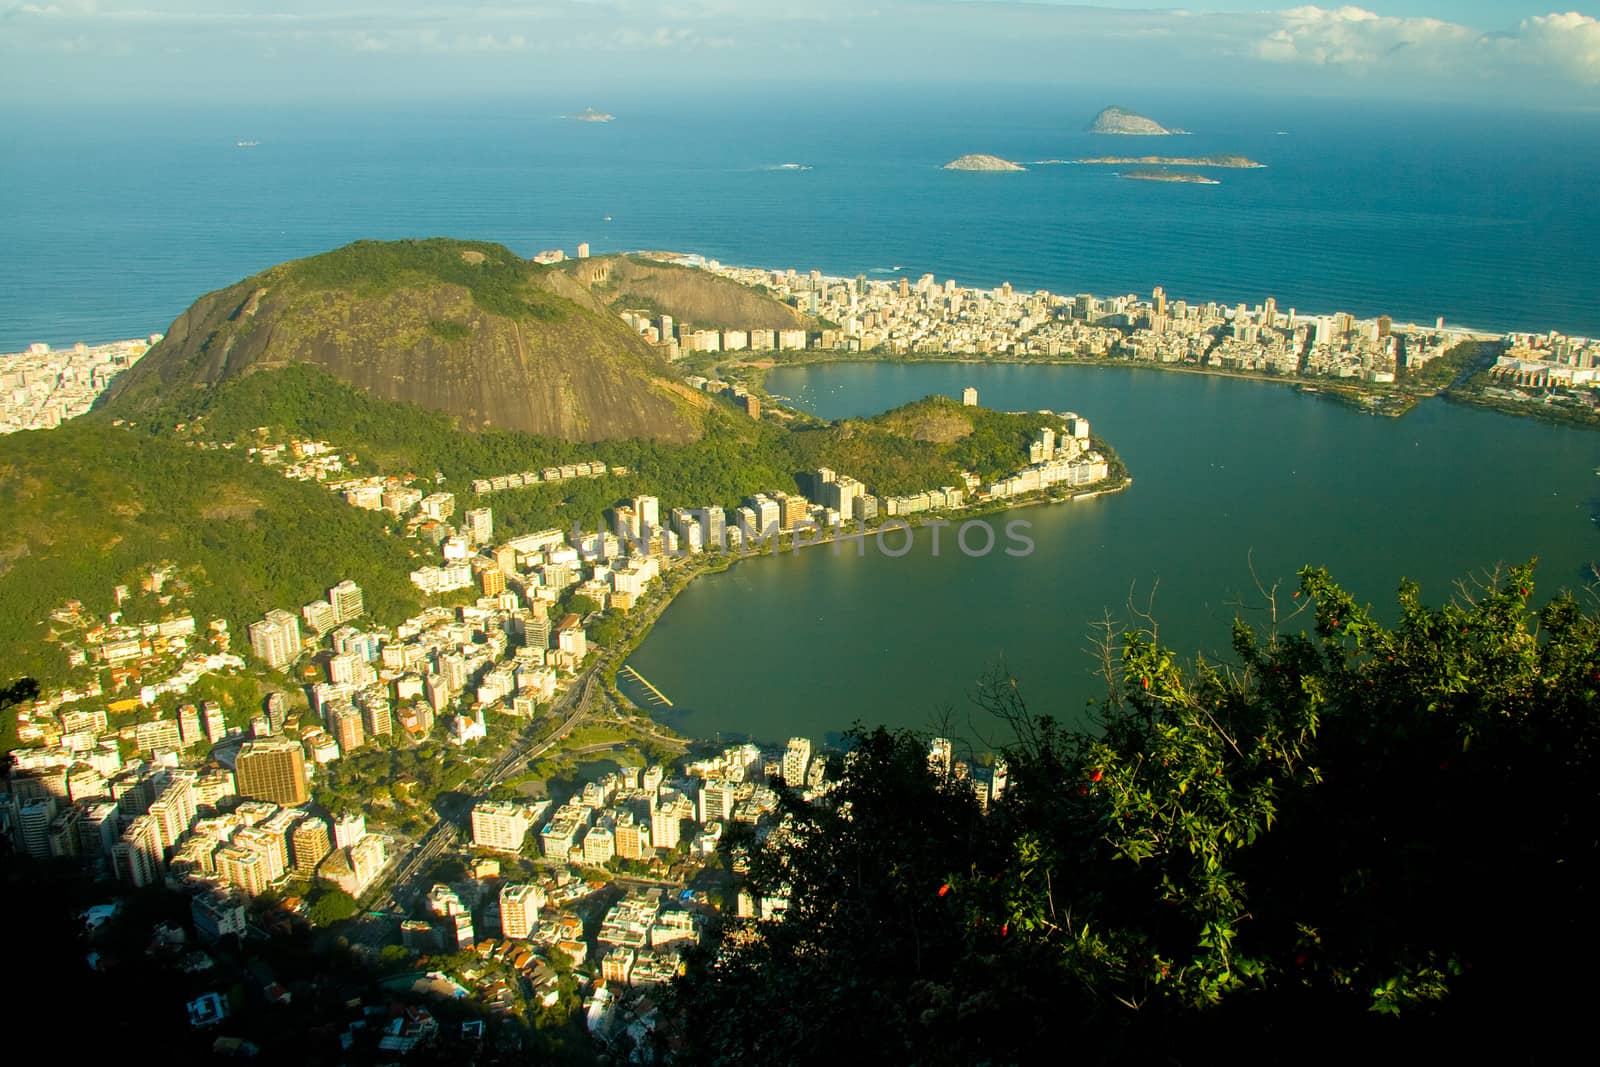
x=1230, y=162
x=977, y=161
x=589, y=114
x=1151, y=174
x=1122, y=121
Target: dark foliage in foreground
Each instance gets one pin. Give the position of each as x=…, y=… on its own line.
x=1380, y=839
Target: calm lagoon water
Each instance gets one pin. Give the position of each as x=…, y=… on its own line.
x=1228, y=474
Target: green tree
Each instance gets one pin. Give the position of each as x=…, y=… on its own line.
x=1374, y=833
x=332, y=905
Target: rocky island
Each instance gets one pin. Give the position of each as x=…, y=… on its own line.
x=982, y=162
x=589, y=114
x=1121, y=121
x=1150, y=174
x=1222, y=160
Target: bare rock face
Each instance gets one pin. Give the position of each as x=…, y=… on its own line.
x=978, y=161
x=1122, y=121
x=468, y=329
x=690, y=295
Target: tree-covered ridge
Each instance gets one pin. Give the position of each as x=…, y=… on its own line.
x=1381, y=836
x=497, y=278
x=921, y=445
x=91, y=505
x=94, y=504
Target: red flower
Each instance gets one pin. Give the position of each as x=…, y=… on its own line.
x=1300, y=960
x=1083, y=790
x=944, y=889
x=1096, y=776
x=1146, y=682
x=1005, y=929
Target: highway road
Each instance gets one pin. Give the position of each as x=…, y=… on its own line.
x=444, y=835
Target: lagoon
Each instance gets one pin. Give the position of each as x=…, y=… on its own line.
x=1229, y=474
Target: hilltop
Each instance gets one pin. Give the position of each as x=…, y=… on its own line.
x=465, y=328
x=691, y=296
x=921, y=445
x=1122, y=121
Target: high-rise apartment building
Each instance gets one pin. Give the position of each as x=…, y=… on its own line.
x=500, y=825
x=667, y=819
x=311, y=844
x=175, y=809
x=647, y=513
x=275, y=640
x=271, y=847
x=347, y=600
x=189, y=731
x=519, y=910
x=796, y=757
x=215, y=724
x=137, y=856
x=348, y=829
x=34, y=824
x=716, y=801
x=344, y=723
x=243, y=868
x=272, y=769
x=633, y=838
x=320, y=615
x=478, y=525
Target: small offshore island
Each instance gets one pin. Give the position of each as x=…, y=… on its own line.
x=1119, y=120
x=589, y=114
x=980, y=162
x=1153, y=174
x=1231, y=162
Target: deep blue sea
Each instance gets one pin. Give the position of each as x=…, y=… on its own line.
x=112, y=222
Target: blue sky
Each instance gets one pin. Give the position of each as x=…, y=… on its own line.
x=99, y=52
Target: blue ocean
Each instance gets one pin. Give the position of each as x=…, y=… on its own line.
x=113, y=222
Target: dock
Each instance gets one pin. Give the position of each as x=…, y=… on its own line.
x=660, y=697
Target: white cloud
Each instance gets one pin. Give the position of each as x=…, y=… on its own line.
x=1559, y=47
x=1301, y=48
x=1353, y=37
x=1567, y=42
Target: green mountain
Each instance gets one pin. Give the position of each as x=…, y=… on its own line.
x=921, y=445
x=92, y=505
x=465, y=328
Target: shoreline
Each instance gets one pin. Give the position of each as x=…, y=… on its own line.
x=1342, y=391
x=722, y=562
x=1460, y=331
